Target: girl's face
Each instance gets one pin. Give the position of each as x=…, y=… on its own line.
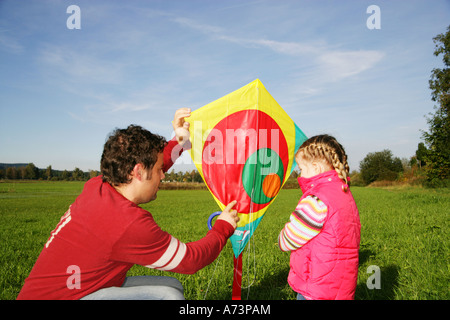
x=307, y=169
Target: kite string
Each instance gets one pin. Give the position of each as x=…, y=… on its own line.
x=251, y=242
x=213, y=274
x=249, y=250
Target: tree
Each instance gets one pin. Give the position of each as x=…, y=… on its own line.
x=66, y=175
x=421, y=154
x=438, y=135
x=11, y=173
x=77, y=174
x=48, y=172
x=93, y=173
x=31, y=171
x=380, y=166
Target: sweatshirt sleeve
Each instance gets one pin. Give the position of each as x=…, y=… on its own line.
x=201, y=253
x=144, y=243
x=305, y=223
x=173, y=151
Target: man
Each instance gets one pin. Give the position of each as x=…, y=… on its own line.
x=105, y=232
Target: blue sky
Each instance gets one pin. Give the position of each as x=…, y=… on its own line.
x=63, y=91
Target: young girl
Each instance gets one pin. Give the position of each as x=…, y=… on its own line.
x=324, y=230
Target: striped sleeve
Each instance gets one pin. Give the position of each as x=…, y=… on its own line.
x=144, y=243
x=305, y=223
x=171, y=257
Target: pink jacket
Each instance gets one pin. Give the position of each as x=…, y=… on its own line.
x=327, y=266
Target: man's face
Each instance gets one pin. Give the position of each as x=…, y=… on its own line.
x=150, y=184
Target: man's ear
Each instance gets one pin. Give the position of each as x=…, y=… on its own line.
x=137, y=172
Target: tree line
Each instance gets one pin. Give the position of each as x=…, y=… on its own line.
x=187, y=176
x=31, y=172
x=384, y=166
x=376, y=166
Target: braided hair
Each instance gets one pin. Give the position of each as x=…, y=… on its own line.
x=326, y=148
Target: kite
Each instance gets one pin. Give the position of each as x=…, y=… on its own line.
x=243, y=146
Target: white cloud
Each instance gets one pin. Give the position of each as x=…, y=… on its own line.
x=9, y=44
x=342, y=64
x=127, y=106
x=330, y=64
x=76, y=65
x=192, y=24
x=288, y=48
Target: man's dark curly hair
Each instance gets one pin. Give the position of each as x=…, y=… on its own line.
x=127, y=147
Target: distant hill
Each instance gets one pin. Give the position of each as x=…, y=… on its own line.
x=12, y=165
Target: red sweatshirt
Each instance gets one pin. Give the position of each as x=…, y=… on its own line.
x=103, y=235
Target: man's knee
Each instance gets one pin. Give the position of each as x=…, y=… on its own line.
x=171, y=293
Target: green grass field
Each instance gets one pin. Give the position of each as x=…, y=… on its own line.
x=404, y=233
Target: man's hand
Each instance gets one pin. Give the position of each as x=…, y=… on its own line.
x=229, y=214
x=180, y=126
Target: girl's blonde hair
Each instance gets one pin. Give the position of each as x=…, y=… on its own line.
x=326, y=148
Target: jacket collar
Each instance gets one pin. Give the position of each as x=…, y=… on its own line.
x=308, y=183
